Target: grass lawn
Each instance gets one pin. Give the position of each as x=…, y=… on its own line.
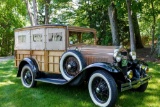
x=13, y=94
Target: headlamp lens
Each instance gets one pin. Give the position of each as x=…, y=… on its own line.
x=133, y=55
x=130, y=74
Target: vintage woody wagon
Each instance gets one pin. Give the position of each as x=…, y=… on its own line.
x=62, y=55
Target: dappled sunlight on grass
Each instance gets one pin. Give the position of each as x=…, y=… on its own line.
x=9, y=104
x=6, y=83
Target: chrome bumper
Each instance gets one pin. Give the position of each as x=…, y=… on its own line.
x=134, y=84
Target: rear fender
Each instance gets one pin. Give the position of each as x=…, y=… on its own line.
x=31, y=62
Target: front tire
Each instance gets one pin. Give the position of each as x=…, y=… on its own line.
x=102, y=89
x=27, y=77
x=142, y=88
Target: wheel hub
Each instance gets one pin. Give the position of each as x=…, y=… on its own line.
x=72, y=66
x=69, y=66
x=97, y=90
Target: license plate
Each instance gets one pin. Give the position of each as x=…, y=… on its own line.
x=124, y=62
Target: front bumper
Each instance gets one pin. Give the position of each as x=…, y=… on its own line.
x=134, y=84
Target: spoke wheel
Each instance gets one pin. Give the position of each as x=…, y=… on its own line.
x=71, y=64
x=102, y=89
x=27, y=77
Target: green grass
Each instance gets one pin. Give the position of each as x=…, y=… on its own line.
x=13, y=94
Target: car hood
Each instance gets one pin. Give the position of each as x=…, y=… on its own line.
x=96, y=53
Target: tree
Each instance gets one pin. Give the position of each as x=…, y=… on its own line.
x=112, y=12
x=153, y=25
x=32, y=13
x=11, y=18
x=47, y=3
x=35, y=12
x=137, y=31
x=131, y=27
x=29, y=12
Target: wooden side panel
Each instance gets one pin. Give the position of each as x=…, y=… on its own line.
x=54, y=59
x=48, y=61
x=39, y=57
x=21, y=54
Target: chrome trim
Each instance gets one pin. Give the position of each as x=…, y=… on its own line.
x=134, y=84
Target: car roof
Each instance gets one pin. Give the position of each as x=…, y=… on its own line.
x=70, y=28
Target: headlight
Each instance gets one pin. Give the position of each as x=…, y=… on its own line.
x=117, y=55
x=130, y=74
x=133, y=55
x=144, y=67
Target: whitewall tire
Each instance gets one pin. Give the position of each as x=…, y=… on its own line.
x=102, y=89
x=27, y=77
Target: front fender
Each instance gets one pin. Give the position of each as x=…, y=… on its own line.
x=31, y=62
x=87, y=71
x=106, y=66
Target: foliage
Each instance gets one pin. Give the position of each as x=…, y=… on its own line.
x=94, y=14
x=84, y=13
x=146, y=15
x=9, y=20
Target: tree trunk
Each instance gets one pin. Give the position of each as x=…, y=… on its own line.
x=29, y=12
x=47, y=11
x=137, y=32
x=113, y=21
x=35, y=12
x=131, y=28
x=153, y=27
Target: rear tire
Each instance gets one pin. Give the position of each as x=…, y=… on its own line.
x=102, y=89
x=27, y=77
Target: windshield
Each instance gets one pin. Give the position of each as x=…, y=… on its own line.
x=81, y=38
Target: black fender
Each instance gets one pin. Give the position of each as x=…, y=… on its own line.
x=106, y=66
x=87, y=71
x=31, y=62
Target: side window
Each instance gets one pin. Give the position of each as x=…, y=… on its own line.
x=79, y=38
x=88, y=38
x=37, y=37
x=73, y=38
x=55, y=37
x=21, y=38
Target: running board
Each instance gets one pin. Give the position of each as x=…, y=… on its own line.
x=52, y=81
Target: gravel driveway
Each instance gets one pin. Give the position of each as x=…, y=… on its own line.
x=6, y=58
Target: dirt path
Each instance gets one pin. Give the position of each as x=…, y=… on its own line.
x=6, y=58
